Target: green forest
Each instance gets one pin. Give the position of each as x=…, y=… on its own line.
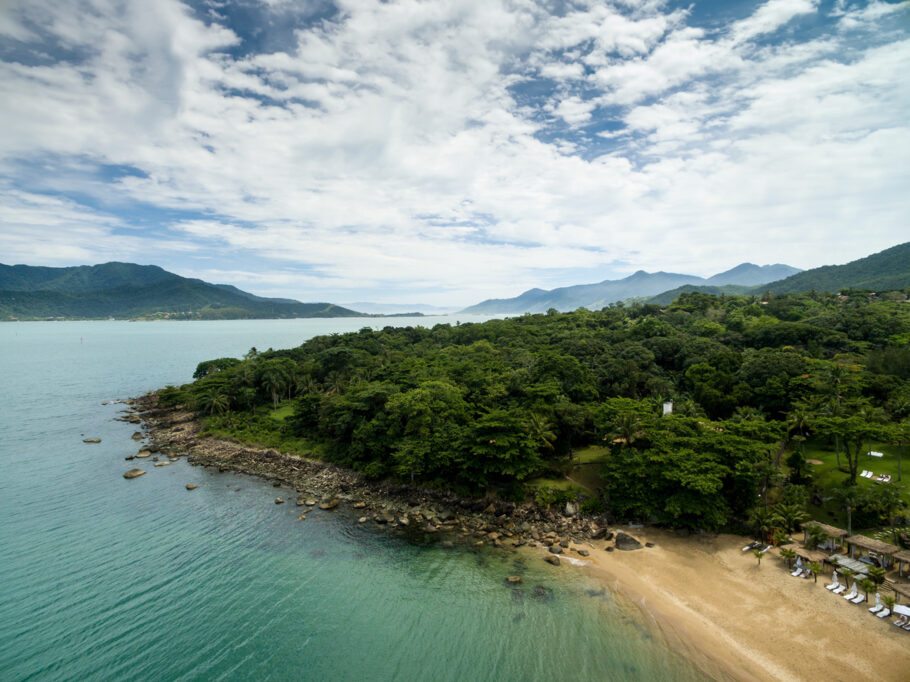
x=777, y=401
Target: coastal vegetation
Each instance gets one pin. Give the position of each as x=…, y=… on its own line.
x=776, y=402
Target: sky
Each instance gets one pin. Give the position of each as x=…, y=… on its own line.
x=448, y=152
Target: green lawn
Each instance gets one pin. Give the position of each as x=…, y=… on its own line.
x=592, y=453
x=283, y=412
x=827, y=476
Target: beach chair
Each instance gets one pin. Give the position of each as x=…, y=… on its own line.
x=859, y=599
x=806, y=573
x=834, y=585
x=852, y=593
x=798, y=568
x=878, y=604
x=900, y=621
x=884, y=613
x=767, y=547
x=839, y=590
x=751, y=545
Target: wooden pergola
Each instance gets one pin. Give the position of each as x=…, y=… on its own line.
x=812, y=554
x=903, y=589
x=883, y=549
x=901, y=557
x=830, y=531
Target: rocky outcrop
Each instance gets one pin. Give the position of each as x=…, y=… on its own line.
x=626, y=542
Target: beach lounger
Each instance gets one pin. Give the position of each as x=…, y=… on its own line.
x=901, y=621
x=833, y=586
x=884, y=613
x=751, y=545
x=839, y=590
x=766, y=549
x=859, y=599
x=878, y=604
x=806, y=574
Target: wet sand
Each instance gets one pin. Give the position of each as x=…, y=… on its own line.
x=737, y=620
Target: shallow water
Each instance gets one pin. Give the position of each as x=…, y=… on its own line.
x=104, y=578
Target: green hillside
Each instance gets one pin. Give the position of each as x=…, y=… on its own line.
x=882, y=271
x=126, y=290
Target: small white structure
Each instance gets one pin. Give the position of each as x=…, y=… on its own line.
x=873, y=453
x=668, y=407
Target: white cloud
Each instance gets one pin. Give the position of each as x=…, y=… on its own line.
x=423, y=144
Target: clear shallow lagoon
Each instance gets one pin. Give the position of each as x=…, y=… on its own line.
x=105, y=578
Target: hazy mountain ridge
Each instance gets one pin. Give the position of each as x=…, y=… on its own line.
x=128, y=290
x=638, y=285
x=882, y=271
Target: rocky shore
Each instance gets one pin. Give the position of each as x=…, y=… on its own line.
x=424, y=515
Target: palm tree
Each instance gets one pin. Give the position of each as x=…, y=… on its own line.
x=876, y=574
x=847, y=497
x=847, y=573
x=789, y=515
x=761, y=519
x=789, y=555
x=817, y=536
x=758, y=555
x=626, y=428
x=866, y=585
x=542, y=428
x=816, y=568
x=889, y=600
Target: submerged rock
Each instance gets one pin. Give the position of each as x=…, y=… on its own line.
x=552, y=560
x=137, y=435
x=91, y=440
x=162, y=464
x=279, y=500
x=329, y=504
x=191, y=486
x=134, y=473
x=143, y=453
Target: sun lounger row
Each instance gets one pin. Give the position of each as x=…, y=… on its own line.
x=903, y=622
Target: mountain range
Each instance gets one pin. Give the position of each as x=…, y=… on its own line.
x=638, y=285
x=128, y=290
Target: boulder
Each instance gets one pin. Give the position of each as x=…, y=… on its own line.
x=329, y=504
x=300, y=502
x=279, y=500
x=626, y=542
x=552, y=560
x=134, y=473
x=129, y=457
x=137, y=435
x=583, y=552
x=310, y=502
x=191, y=486
x=555, y=549
x=649, y=544
x=91, y=440
x=162, y=464
x=143, y=454
x=513, y=579
x=359, y=505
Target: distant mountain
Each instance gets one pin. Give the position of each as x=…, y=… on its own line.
x=399, y=308
x=667, y=297
x=127, y=290
x=746, y=274
x=882, y=271
x=639, y=285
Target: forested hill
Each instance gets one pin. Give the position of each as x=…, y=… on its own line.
x=127, y=290
x=883, y=271
x=492, y=407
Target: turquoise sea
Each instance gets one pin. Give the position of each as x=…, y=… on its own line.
x=105, y=578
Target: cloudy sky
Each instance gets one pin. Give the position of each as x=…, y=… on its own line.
x=446, y=152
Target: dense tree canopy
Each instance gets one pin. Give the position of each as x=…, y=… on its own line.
x=481, y=406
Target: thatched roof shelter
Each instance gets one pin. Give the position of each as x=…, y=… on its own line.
x=873, y=545
x=811, y=554
x=902, y=589
x=830, y=531
x=901, y=557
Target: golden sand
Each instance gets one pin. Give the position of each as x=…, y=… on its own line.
x=738, y=620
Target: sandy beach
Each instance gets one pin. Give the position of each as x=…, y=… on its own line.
x=737, y=620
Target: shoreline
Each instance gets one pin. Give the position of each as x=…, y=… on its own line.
x=709, y=600
x=736, y=620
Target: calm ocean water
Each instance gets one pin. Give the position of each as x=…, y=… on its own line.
x=104, y=578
